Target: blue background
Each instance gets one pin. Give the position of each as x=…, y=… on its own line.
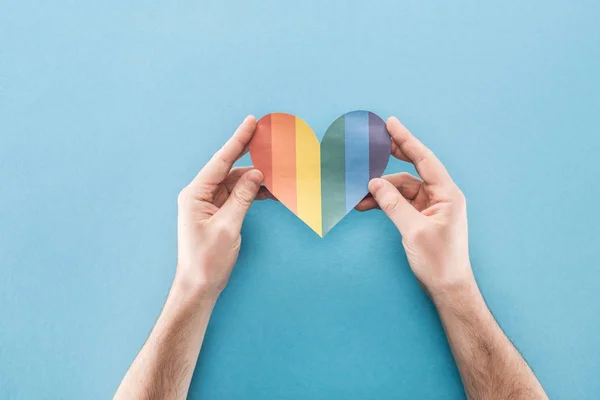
x=107, y=110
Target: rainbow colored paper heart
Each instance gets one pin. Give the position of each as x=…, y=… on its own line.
x=320, y=183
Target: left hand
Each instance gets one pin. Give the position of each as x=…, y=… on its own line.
x=211, y=211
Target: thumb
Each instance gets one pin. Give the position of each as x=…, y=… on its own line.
x=393, y=204
x=243, y=194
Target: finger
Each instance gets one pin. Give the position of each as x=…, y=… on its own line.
x=426, y=163
x=396, y=152
x=218, y=167
x=407, y=184
x=234, y=175
x=396, y=207
x=244, y=152
x=241, y=197
x=366, y=204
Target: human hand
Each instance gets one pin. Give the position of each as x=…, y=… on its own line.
x=431, y=213
x=211, y=210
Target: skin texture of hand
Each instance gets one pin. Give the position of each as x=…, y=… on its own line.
x=431, y=215
x=211, y=210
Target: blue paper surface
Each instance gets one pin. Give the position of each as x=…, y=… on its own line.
x=108, y=109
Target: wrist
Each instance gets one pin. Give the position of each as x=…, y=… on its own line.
x=187, y=288
x=460, y=291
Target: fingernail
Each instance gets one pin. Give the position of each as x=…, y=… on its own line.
x=374, y=185
x=392, y=119
x=255, y=176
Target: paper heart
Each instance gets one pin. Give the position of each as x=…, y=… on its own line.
x=320, y=183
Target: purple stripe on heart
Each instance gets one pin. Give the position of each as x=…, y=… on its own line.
x=379, y=144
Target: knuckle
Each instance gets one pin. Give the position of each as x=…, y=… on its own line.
x=243, y=195
x=390, y=205
x=418, y=234
x=425, y=155
x=183, y=196
x=225, y=230
x=404, y=178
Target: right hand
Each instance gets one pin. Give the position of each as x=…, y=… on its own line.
x=430, y=213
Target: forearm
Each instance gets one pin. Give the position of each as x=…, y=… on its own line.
x=490, y=366
x=164, y=366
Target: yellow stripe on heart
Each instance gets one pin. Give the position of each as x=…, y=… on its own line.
x=308, y=176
